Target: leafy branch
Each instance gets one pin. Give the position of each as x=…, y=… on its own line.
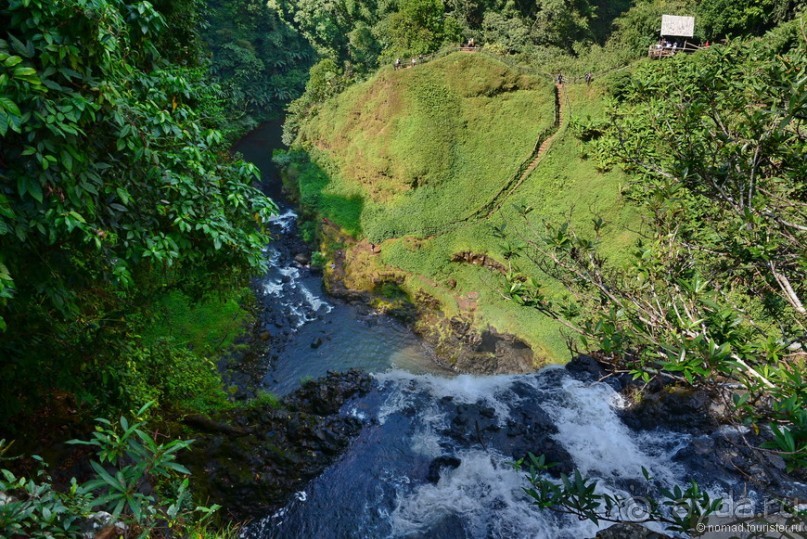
x=680, y=510
x=136, y=479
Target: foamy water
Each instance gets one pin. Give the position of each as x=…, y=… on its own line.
x=380, y=487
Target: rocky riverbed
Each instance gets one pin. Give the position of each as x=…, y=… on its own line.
x=397, y=440
x=254, y=459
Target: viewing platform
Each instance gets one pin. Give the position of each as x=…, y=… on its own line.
x=665, y=50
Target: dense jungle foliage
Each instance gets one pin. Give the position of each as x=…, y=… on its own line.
x=260, y=62
x=362, y=33
x=116, y=187
x=121, y=210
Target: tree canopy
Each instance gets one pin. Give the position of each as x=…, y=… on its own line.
x=260, y=62
x=715, y=291
x=112, y=182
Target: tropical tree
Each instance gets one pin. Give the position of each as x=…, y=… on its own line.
x=722, y=18
x=418, y=27
x=112, y=186
x=260, y=61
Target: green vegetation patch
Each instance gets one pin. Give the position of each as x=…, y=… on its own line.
x=207, y=327
x=176, y=363
x=447, y=134
x=418, y=154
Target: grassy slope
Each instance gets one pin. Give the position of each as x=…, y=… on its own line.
x=455, y=128
x=449, y=125
x=208, y=327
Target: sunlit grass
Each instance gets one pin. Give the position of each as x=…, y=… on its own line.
x=412, y=152
x=208, y=327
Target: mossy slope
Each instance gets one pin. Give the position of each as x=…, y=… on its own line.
x=417, y=142
x=416, y=152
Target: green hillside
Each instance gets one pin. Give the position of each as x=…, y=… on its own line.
x=415, y=142
x=426, y=162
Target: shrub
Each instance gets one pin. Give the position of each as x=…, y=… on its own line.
x=129, y=460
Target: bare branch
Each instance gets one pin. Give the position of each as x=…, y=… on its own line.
x=787, y=288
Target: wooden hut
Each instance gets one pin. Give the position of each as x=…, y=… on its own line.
x=675, y=36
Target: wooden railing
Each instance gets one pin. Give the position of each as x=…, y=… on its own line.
x=665, y=51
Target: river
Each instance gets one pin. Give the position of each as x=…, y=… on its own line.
x=434, y=458
x=311, y=333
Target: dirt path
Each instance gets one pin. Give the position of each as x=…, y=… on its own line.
x=497, y=202
x=546, y=143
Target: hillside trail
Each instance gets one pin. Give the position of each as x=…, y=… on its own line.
x=546, y=143
x=527, y=167
x=560, y=112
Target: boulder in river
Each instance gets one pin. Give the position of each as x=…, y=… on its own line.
x=528, y=429
x=439, y=464
x=254, y=458
x=629, y=530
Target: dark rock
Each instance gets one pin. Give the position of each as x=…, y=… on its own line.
x=206, y=424
x=529, y=429
x=727, y=452
x=676, y=408
x=302, y=259
x=703, y=445
x=327, y=395
x=587, y=368
x=253, y=459
x=264, y=335
x=629, y=530
x=316, y=343
x=488, y=352
x=438, y=464
x=776, y=461
x=586, y=365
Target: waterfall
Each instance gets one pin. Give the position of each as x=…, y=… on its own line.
x=391, y=483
